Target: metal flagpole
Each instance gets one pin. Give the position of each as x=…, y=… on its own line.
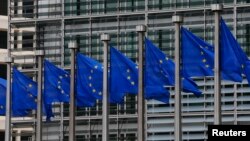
x=40, y=55
x=141, y=29
x=105, y=100
x=217, y=8
x=8, y=61
x=72, y=46
x=177, y=20
x=8, y=111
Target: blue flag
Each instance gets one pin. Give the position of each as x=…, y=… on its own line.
x=123, y=78
x=56, y=84
x=197, y=55
x=24, y=95
x=24, y=92
x=89, y=81
x=155, y=79
x=203, y=64
x=230, y=47
x=2, y=96
x=161, y=70
x=16, y=112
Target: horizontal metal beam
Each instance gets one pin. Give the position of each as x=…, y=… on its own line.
x=142, y=13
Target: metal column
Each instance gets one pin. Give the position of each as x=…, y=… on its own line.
x=40, y=55
x=217, y=8
x=141, y=29
x=8, y=60
x=72, y=46
x=8, y=111
x=105, y=100
x=177, y=20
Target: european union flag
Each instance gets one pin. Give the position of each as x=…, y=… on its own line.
x=160, y=70
x=124, y=76
x=89, y=81
x=2, y=96
x=203, y=64
x=155, y=79
x=15, y=112
x=56, y=83
x=230, y=55
x=24, y=92
x=24, y=95
x=197, y=55
x=230, y=47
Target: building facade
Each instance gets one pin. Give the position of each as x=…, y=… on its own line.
x=51, y=24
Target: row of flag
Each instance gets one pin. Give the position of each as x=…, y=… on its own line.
x=197, y=61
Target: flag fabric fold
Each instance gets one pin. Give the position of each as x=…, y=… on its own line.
x=123, y=76
x=56, y=84
x=161, y=70
x=89, y=81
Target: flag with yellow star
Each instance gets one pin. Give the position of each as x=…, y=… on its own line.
x=160, y=70
x=123, y=76
x=24, y=95
x=56, y=84
x=198, y=58
x=89, y=81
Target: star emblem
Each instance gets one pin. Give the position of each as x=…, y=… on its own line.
x=90, y=85
x=132, y=83
x=128, y=77
x=161, y=61
x=128, y=71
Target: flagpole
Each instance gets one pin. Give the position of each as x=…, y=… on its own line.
x=177, y=20
x=141, y=29
x=105, y=38
x=217, y=8
x=72, y=46
x=8, y=61
x=40, y=55
x=8, y=111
